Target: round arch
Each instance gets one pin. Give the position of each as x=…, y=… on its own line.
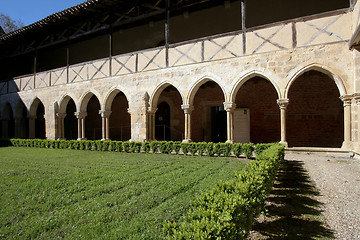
x=316, y=67
x=64, y=102
x=157, y=92
x=8, y=111
x=84, y=100
x=249, y=76
x=315, y=114
x=111, y=95
x=34, y=105
x=195, y=87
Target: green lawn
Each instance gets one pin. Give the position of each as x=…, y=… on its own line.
x=55, y=193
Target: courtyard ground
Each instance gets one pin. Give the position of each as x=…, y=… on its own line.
x=315, y=197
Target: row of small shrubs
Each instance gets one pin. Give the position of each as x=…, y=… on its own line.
x=228, y=210
x=166, y=147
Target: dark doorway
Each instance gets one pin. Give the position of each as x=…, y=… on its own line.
x=93, y=119
x=24, y=133
x=218, y=118
x=70, y=121
x=40, y=122
x=162, y=122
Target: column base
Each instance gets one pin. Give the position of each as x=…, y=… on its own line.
x=229, y=141
x=79, y=139
x=347, y=145
x=186, y=141
x=284, y=143
x=105, y=139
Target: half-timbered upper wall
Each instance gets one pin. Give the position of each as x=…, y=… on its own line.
x=140, y=37
x=206, y=22
x=89, y=49
x=262, y=12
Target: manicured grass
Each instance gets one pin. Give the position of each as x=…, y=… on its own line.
x=55, y=193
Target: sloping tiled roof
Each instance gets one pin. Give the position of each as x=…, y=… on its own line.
x=52, y=18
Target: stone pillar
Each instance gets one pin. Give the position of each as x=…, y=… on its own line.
x=151, y=123
x=187, y=111
x=230, y=107
x=81, y=124
x=283, y=103
x=105, y=115
x=32, y=126
x=347, y=121
x=61, y=125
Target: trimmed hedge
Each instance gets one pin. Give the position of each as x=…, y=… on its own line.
x=228, y=210
x=195, y=149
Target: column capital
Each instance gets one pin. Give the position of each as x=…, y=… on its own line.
x=283, y=103
x=357, y=98
x=152, y=110
x=80, y=115
x=187, y=108
x=346, y=99
x=229, y=106
x=105, y=113
x=61, y=115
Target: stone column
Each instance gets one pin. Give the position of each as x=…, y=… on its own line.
x=81, y=124
x=283, y=103
x=187, y=111
x=347, y=121
x=151, y=123
x=32, y=126
x=61, y=125
x=230, y=107
x=105, y=115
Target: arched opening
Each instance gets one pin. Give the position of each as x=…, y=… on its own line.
x=208, y=120
x=8, y=122
x=93, y=119
x=120, y=120
x=315, y=114
x=40, y=131
x=22, y=121
x=162, y=122
x=169, y=117
x=256, y=108
x=70, y=121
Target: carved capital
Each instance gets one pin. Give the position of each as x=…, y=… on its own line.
x=105, y=113
x=152, y=110
x=283, y=103
x=187, y=108
x=80, y=115
x=61, y=115
x=229, y=106
x=346, y=100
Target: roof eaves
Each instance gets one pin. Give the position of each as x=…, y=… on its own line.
x=51, y=18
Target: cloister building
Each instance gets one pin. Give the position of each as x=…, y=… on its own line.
x=187, y=70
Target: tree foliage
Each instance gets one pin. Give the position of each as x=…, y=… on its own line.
x=8, y=24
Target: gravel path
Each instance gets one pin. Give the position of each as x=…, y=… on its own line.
x=338, y=181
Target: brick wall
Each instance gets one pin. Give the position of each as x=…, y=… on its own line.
x=260, y=97
x=315, y=113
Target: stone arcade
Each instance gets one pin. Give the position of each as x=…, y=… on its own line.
x=187, y=70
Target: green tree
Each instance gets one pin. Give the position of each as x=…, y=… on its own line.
x=8, y=24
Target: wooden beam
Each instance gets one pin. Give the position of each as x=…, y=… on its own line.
x=243, y=24
x=167, y=31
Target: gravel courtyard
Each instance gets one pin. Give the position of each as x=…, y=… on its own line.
x=338, y=181
x=314, y=197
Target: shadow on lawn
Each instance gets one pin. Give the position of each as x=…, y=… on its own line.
x=292, y=209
